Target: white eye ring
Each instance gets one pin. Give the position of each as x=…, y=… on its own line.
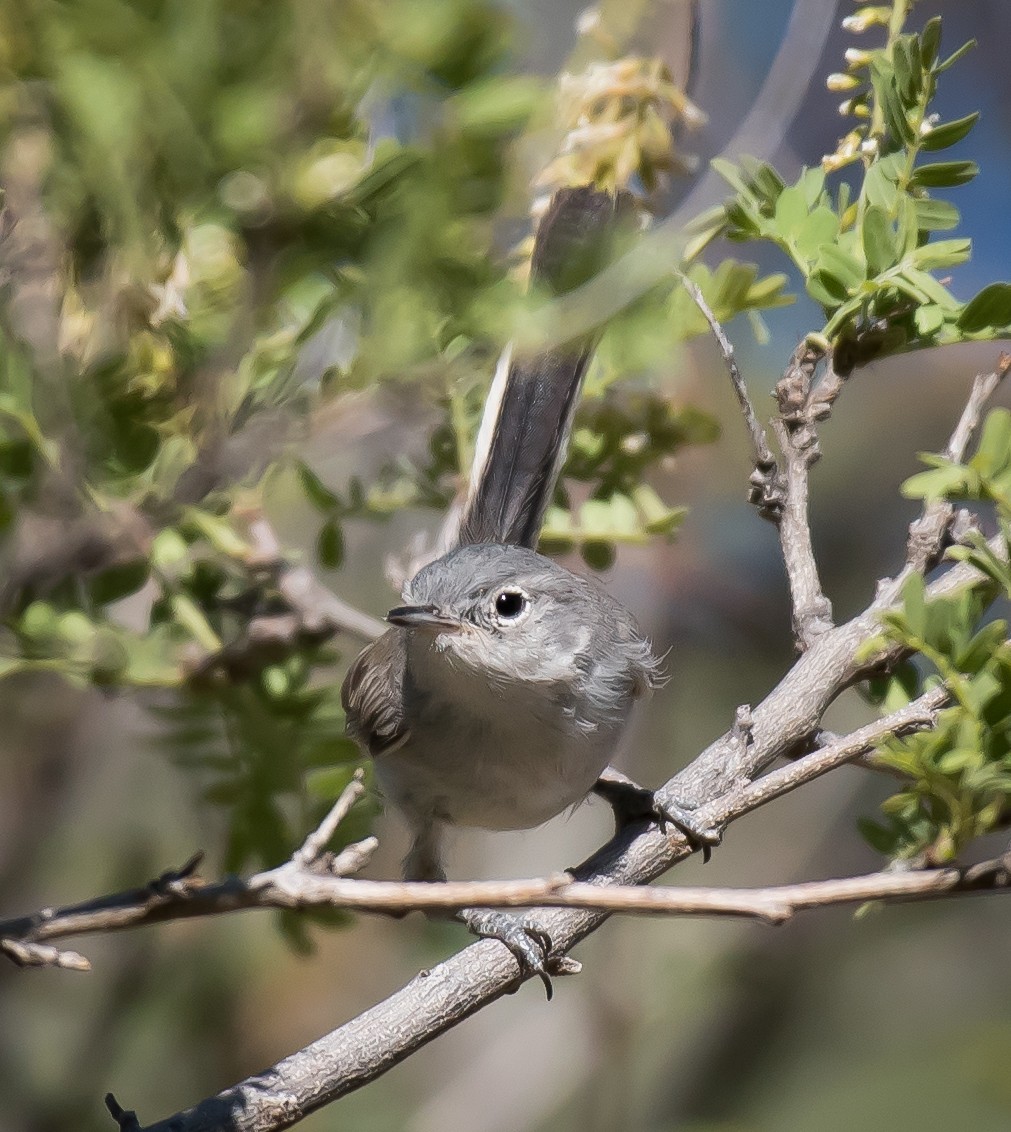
x=510, y=605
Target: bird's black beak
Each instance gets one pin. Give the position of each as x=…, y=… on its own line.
x=423, y=617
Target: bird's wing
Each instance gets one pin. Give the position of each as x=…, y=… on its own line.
x=372, y=695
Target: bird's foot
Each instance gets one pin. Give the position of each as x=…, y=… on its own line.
x=631, y=802
x=529, y=944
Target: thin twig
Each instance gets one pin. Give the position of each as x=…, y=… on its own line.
x=983, y=388
x=773, y=904
x=916, y=716
x=779, y=903
x=312, y=848
x=784, y=498
x=765, y=463
x=40, y=955
x=928, y=532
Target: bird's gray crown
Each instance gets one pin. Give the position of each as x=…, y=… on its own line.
x=469, y=572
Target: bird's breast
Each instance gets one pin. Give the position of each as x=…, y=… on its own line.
x=496, y=757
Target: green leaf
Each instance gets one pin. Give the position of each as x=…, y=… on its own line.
x=768, y=291
x=954, y=57
x=330, y=545
x=659, y=519
x=766, y=183
x=889, y=100
x=119, y=582
x=930, y=41
x=935, y=215
x=942, y=253
x=729, y=171
x=837, y=275
x=960, y=759
x=812, y=184
x=929, y=319
x=945, y=134
x=990, y=308
x=908, y=72
x=817, y=229
x=497, y=105
x=598, y=555
x=944, y=174
x=880, y=183
x=907, y=232
x=878, y=240
x=939, y=483
x=914, y=604
x=994, y=450
x=168, y=549
x=824, y=288
x=878, y=837
x=745, y=222
x=791, y=210
x=929, y=287
x=316, y=492
x=389, y=168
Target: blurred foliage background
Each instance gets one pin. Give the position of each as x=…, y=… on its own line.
x=258, y=259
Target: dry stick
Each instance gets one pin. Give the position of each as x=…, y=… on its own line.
x=311, y=879
x=314, y=846
x=783, y=498
x=779, y=903
x=773, y=904
x=765, y=462
x=798, y=441
x=926, y=534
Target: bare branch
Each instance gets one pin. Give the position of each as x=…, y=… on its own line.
x=916, y=716
x=784, y=498
x=38, y=955
x=766, y=490
x=927, y=533
x=314, y=845
x=799, y=409
x=779, y=903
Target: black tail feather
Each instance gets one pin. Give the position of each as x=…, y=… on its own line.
x=514, y=478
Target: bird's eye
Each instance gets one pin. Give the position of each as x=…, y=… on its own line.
x=509, y=604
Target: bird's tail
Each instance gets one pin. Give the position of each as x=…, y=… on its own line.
x=528, y=414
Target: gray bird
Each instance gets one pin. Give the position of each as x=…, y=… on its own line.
x=502, y=691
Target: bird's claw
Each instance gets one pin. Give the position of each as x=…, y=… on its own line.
x=632, y=803
x=530, y=945
x=699, y=835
